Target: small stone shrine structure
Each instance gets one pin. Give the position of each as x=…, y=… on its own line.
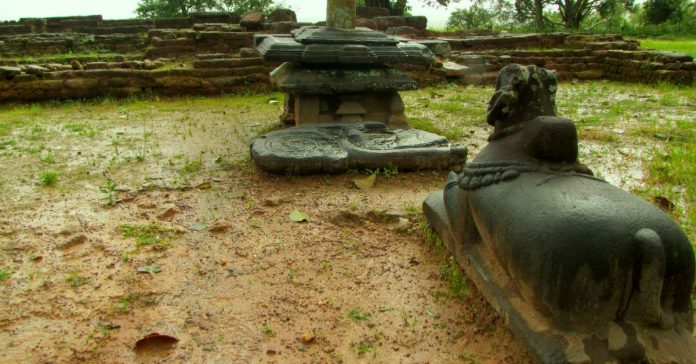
x=583, y=272
x=336, y=76
x=339, y=74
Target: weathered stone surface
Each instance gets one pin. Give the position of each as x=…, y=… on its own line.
x=386, y=22
x=437, y=46
x=369, y=12
x=35, y=70
x=559, y=251
x=9, y=72
x=402, y=31
x=248, y=52
x=252, y=21
x=282, y=15
x=281, y=27
x=227, y=62
x=335, y=148
x=340, y=14
x=366, y=23
x=217, y=27
x=453, y=69
x=330, y=46
x=324, y=81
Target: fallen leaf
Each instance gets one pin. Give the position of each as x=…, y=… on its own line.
x=298, y=216
x=235, y=272
x=150, y=269
x=218, y=227
x=365, y=183
x=307, y=338
x=204, y=186
x=155, y=342
x=198, y=227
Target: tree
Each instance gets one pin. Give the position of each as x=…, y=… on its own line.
x=474, y=17
x=183, y=8
x=531, y=9
x=659, y=11
x=483, y=14
x=172, y=8
x=245, y=6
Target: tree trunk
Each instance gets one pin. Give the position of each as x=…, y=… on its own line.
x=538, y=15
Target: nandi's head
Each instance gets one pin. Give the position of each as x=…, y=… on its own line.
x=521, y=94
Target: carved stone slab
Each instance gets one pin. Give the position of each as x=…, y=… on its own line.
x=335, y=148
x=294, y=78
x=333, y=46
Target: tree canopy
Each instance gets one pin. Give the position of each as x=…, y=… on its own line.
x=177, y=8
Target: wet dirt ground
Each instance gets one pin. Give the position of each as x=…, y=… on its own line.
x=227, y=272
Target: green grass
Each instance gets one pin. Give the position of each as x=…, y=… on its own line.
x=48, y=179
x=97, y=56
x=683, y=45
x=76, y=280
x=268, y=330
x=365, y=347
x=357, y=315
x=191, y=167
x=147, y=234
x=5, y=274
x=456, y=282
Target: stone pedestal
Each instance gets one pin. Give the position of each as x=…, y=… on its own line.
x=343, y=97
x=340, y=75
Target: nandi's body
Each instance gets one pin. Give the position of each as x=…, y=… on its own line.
x=566, y=254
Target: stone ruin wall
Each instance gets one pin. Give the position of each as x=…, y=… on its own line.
x=219, y=55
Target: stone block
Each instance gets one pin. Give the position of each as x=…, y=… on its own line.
x=418, y=22
x=369, y=12
x=281, y=27
x=223, y=17
x=386, y=22
x=367, y=23
x=282, y=15
x=402, y=31
x=253, y=21
x=173, y=23
x=81, y=83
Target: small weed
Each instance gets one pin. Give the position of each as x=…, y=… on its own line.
x=408, y=320
x=123, y=304
x=5, y=274
x=48, y=179
x=149, y=234
x=357, y=315
x=390, y=171
x=48, y=158
x=365, y=347
x=267, y=329
x=109, y=192
x=455, y=279
x=325, y=265
x=191, y=167
x=292, y=273
x=429, y=235
x=76, y=280
x=223, y=164
x=255, y=223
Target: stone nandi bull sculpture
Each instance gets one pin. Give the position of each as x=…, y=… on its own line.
x=581, y=270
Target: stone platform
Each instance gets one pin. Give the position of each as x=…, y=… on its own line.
x=335, y=148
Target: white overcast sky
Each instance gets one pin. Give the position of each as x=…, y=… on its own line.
x=307, y=10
